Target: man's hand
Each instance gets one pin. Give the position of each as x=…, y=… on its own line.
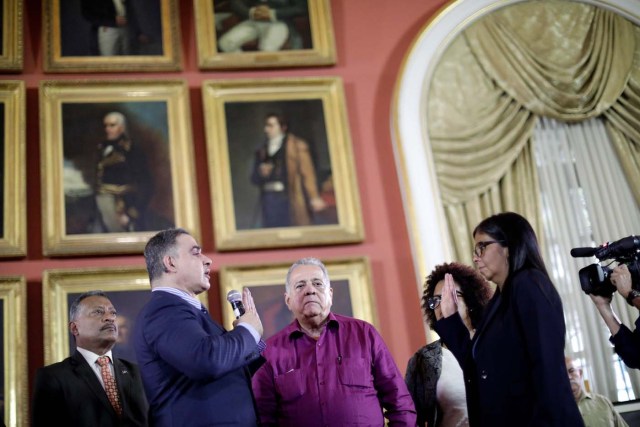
x=250, y=316
x=262, y=13
x=121, y=21
x=317, y=204
x=621, y=279
x=265, y=169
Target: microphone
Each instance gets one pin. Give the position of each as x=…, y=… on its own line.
x=620, y=248
x=235, y=299
x=583, y=252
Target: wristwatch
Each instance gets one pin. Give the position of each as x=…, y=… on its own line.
x=633, y=295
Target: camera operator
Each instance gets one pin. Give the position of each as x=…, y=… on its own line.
x=626, y=343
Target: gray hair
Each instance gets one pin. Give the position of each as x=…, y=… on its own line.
x=163, y=243
x=307, y=261
x=120, y=118
x=75, y=305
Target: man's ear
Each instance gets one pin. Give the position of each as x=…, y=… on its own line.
x=73, y=328
x=286, y=300
x=169, y=264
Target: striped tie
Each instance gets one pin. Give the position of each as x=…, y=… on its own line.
x=109, y=383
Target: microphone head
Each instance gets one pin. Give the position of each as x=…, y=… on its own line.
x=234, y=296
x=583, y=252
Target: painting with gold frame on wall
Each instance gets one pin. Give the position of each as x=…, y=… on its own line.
x=350, y=280
x=127, y=288
x=13, y=384
x=105, y=36
x=117, y=164
x=13, y=221
x=11, y=37
x=300, y=191
x=233, y=34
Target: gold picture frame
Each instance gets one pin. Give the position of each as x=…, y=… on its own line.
x=72, y=31
x=13, y=312
x=350, y=279
x=11, y=56
x=153, y=185
x=13, y=222
x=309, y=38
x=128, y=289
x=320, y=147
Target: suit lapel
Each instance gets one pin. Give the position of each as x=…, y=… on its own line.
x=82, y=369
x=123, y=381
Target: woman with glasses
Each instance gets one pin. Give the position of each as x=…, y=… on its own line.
x=434, y=377
x=514, y=365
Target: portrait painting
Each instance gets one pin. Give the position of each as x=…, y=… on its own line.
x=120, y=166
x=111, y=35
x=281, y=164
x=127, y=288
x=13, y=229
x=264, y=33
x=11, y=37
x=13, y=351
x=350, y=281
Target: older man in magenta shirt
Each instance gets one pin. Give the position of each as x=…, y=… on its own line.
x=325, y=369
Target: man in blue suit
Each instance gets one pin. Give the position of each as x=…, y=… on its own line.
x=195, y=373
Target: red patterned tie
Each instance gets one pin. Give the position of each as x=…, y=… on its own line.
x=109, y=383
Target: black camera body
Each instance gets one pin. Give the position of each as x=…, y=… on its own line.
x=595, y=279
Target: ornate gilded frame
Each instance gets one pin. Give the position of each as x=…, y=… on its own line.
x=173, y=168
x=321, y=52
x=318, y=104
x=13, y=238
x=13, y=298
x=11, y=56
x=55, y=62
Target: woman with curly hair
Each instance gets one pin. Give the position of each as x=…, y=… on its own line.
x=433, y=375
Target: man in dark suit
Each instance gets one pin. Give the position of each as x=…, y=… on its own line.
x=194, y=371
x=87, y=388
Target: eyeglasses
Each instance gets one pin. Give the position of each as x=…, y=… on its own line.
x=481, y=246
x=434, y=301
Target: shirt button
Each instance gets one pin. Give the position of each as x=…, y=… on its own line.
x=483, y=374
x=321, y=382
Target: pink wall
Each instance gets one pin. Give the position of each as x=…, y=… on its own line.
x=372, y=38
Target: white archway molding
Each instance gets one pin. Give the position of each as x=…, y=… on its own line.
x=412, y=148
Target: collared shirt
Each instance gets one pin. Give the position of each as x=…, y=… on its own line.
x=198, y=305
x=346, y=377
x=274, y=145
x=598, y=411
x=92, y=360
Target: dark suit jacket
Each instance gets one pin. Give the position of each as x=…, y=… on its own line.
x=195, y=373
x=68, y=393
x=514, y=368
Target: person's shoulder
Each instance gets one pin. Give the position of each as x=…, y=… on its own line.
x=57, y=367
x=353, y=323
x=523, y=279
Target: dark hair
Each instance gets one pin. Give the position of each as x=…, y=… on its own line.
x=475, y=290
x=515, y=233
x=75, y=305
x=282, y=120
x=157, y=247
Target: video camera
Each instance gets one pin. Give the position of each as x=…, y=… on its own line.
x=595, y=278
